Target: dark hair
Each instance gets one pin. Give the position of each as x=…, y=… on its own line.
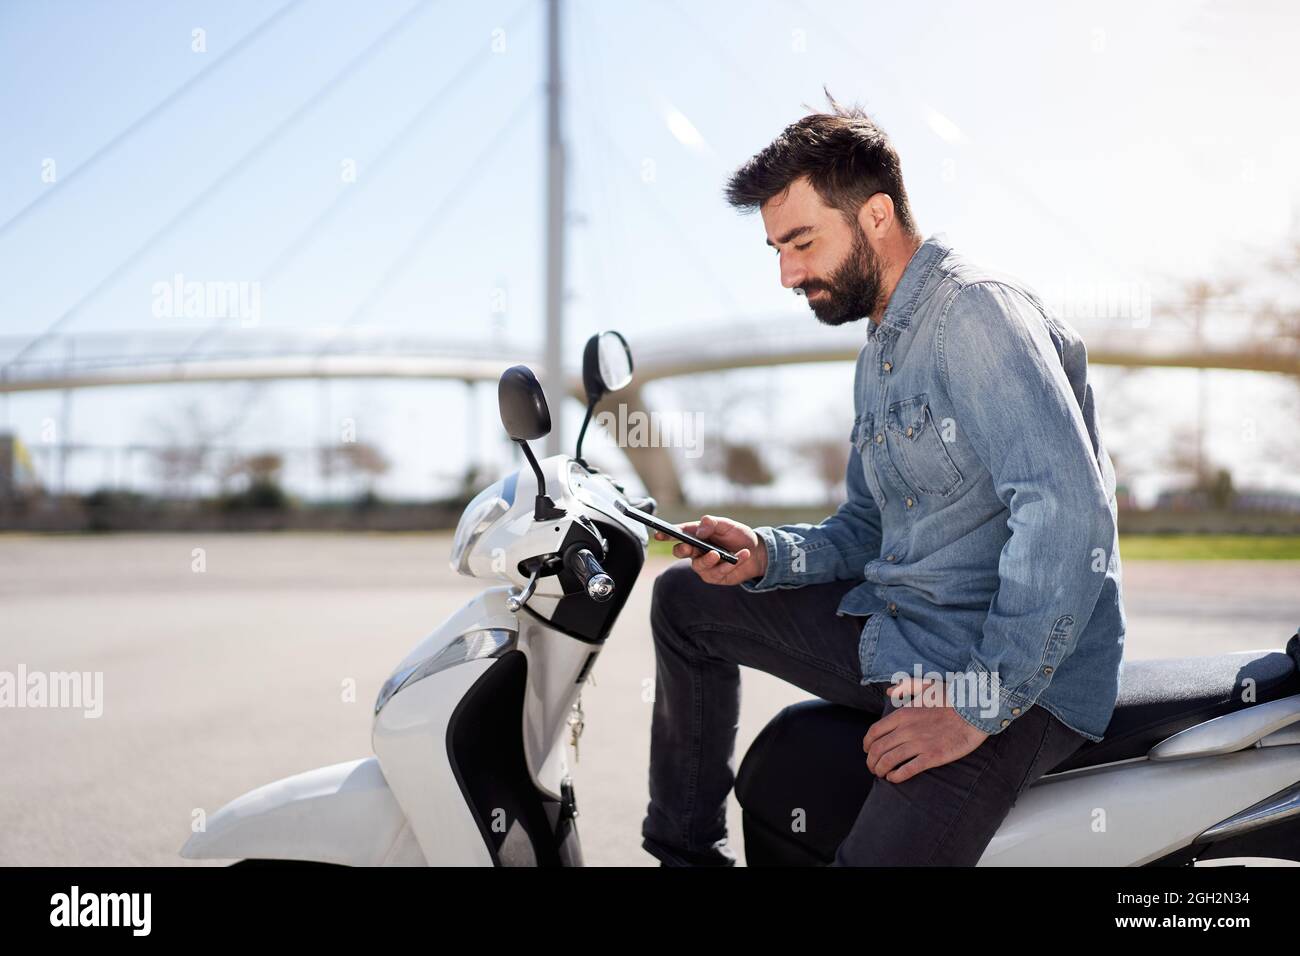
x=846, y=157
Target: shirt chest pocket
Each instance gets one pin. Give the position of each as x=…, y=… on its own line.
x=918, y=450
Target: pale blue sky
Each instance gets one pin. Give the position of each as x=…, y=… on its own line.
x=1079, y=143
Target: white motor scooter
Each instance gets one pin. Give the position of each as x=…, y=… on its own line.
x=1201, y=760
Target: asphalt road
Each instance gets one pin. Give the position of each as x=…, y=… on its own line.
x=219, y=680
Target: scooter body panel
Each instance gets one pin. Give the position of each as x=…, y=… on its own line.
x=1134, y=812
x=411, y=730
x=555, y=662
x=410, y=740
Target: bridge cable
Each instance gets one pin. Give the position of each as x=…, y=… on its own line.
x=416, y=9
x=151, y=114
x=435, y=219
x=390, y=149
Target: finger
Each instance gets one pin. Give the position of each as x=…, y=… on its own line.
x=718, y=525
x=740, y=571
x=733, y=573
x=705, y=561
x=881, y=727
x=896, y=758
x=895, y=737
x=682, y=550
x=910, y=769
x=881, y=746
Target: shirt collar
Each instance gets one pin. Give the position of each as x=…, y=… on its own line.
x=902, y=303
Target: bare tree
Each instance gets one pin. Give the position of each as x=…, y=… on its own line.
x=188, y=442
x=184, y=452
x=259, y=476
x=1263, y=301
x=360, y=462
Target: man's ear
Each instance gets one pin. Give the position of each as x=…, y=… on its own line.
x=876, y=217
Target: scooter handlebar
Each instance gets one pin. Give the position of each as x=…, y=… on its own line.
x=583, y=564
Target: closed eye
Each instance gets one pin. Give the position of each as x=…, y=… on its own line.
x=800, y=246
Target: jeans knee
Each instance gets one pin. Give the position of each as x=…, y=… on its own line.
x=675, y=598
x=673, y=587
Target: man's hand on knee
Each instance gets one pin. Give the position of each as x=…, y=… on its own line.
x=915, y=737
x=739, y=539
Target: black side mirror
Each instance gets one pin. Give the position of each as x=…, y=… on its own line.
x=525, y=415
x=524, y=412
x=606, y=367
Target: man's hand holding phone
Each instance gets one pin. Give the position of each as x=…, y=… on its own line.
x=739, y=539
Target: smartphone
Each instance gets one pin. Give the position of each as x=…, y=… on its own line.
x=674, y=532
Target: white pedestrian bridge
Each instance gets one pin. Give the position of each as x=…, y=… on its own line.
x=104, y=359
x=107, y=359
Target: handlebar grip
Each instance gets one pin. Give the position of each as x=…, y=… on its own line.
x=583, y=564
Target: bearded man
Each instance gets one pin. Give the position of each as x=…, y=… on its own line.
x=977, y=547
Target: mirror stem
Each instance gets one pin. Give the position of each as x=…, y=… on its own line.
x=544, y=508
x=582, y=433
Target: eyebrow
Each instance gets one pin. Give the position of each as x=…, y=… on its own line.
x=792, y=234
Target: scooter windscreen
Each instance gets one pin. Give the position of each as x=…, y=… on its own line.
x=487, y=506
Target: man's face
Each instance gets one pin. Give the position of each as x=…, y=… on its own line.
x=822, y=254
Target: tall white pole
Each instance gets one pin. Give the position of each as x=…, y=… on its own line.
x=553, y=378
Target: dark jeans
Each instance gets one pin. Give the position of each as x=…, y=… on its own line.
x=702, y=632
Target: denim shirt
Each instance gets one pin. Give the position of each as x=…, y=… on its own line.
x=980, y=513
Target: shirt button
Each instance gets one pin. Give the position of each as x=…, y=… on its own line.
x=893, y=609
x=1006, y=723
x=889, y=557
x=1015, y=711
x=909, y=431
x=910, y=502
x=887, y=366
x=880, y=438
x=1047, y=670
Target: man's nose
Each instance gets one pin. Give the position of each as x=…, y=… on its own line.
x=792, y=275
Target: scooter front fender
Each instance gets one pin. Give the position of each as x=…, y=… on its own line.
x=344, y=814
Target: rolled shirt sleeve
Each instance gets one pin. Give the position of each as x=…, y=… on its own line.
x=1015, y=404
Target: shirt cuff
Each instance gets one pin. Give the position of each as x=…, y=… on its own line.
x=986, y=705
x=771, y=577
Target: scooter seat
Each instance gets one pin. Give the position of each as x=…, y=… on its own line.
x=1159, y=698
x=809, y=756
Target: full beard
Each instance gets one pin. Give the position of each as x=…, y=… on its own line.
x=852, y=291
